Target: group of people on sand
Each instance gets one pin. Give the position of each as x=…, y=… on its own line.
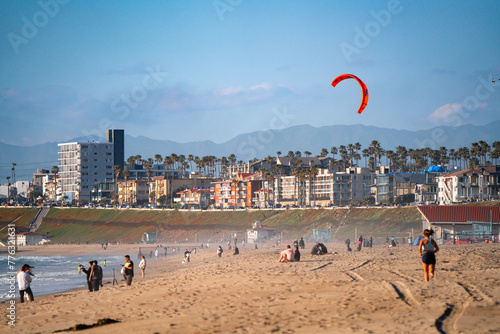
x=94, y=275
x=289, y=254
x=427, y=248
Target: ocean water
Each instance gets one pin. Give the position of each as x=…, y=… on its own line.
x=56, y=273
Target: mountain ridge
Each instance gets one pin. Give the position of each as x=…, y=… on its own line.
x=262, y=143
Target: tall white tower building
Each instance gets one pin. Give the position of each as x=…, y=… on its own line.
x=81, y=166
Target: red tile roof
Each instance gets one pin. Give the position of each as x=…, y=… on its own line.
x=460, y=213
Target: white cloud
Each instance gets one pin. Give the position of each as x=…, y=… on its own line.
x=448, y=113
x=445, y=111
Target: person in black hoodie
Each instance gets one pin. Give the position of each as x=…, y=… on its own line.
x=87, y=272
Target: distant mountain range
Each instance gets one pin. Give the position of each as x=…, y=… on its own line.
x=263, y=143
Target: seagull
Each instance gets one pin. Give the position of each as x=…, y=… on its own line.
x=494, y=80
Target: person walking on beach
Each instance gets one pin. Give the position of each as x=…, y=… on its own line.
x=428, y=247
x=187, y=256
x=142, y=265
x=129, y=269
x=219, y=251
x=24, y=280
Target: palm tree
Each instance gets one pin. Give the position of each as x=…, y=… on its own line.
x=55, y=171
x=324, y=152
x=190, y=159
x=158, y=159
x=366, y=154
x=235, y=184
x=402, y=155
x=116, y=171
x=495, y=151
x=343, y=155
x=391, y=158
x=313, y=173
x=149, y=170
x=376, y=151
x=126, y=175
x=307, y=153
x=357, y=147
x=278, y=153
x=484, y=149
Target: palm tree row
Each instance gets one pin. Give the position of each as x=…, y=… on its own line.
x=401, y=159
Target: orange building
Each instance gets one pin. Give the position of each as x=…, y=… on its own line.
x=237, y=192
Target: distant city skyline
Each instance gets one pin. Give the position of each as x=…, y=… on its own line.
x=211, y=70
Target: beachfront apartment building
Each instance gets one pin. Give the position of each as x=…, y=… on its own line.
x=82, y=165
x=328, y=187
x=166, y=185
x=478, y=183
x=242, y=191
x=388, y=186
x=196, y=197
x=133, y=192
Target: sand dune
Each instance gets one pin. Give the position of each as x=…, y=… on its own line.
x=379, y=290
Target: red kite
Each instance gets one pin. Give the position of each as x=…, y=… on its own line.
x=364, y=101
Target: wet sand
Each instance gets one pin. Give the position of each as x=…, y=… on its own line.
x=379, y=290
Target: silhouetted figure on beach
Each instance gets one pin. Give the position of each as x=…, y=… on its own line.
x=319, y=249
x=302, y=244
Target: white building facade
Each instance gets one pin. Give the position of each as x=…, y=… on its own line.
x=82, y=165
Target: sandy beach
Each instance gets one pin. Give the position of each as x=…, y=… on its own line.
x=378, y=290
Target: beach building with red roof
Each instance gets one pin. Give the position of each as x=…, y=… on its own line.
x=462, y=222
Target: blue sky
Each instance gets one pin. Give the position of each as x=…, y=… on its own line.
x=209, y=70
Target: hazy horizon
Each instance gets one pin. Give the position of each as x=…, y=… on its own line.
x=197, y=70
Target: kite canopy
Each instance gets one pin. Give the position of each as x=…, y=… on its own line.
x=364, y=101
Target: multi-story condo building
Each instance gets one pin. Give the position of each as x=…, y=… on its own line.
x=133, y=192
x=243, y=191
x=390, y=185
x=82, y=165
x=479, y=183
x=193, y=197
x=328, y=187
x=166, y=185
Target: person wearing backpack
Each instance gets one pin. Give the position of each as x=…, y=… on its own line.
x=95, y=276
